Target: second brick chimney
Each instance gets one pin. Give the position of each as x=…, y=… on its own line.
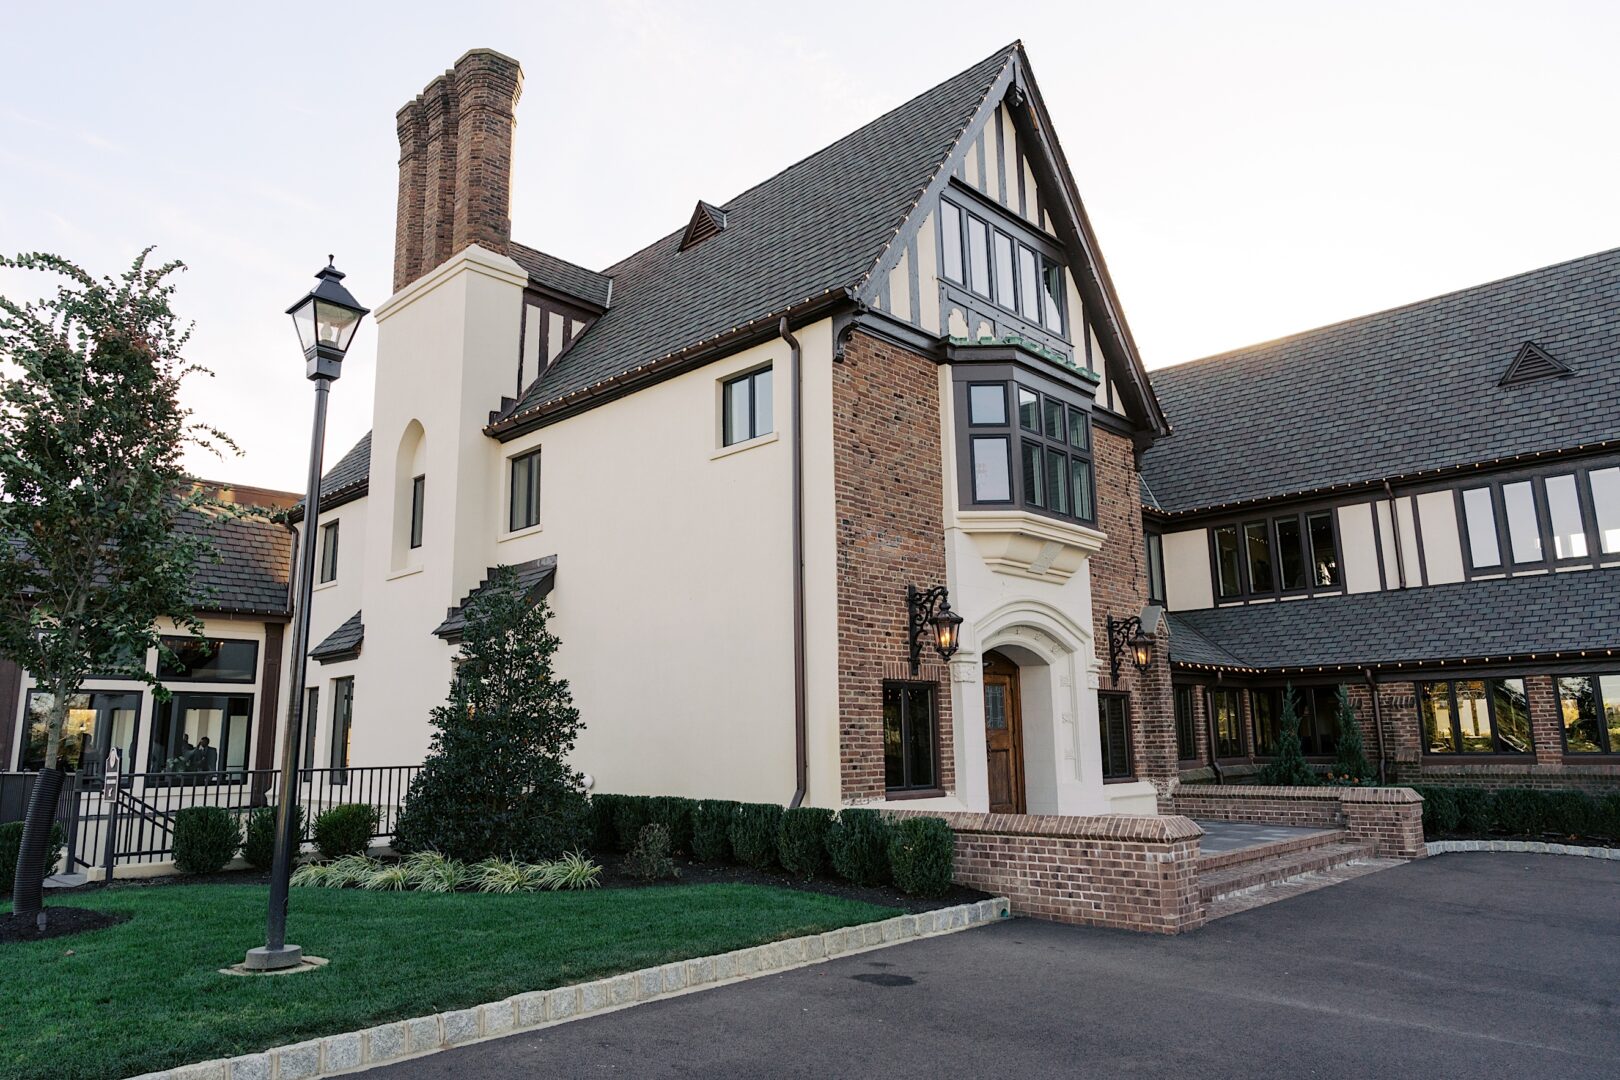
x=455, y=164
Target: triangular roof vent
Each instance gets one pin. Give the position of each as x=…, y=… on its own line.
x=1533, y=362
x=706, y=221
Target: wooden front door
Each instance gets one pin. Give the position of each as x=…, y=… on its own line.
x=1003, y=735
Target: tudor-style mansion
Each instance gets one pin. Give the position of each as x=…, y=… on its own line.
x=900, y=365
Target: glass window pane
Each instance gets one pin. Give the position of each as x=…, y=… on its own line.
x=978, y=256
x=418, y=500
x=1473, y=717
x=1226, y=561
x=764, y=412
x=1029, y=284
x=987, y=403
x=1004, y=270
x=1481, y=520
x=329, y=551
x=1034, y=481
x=212, y=660
x=1512, y=715
x=1186, y=731
x=1609, y=686
x=1029, y=417
x=1263, y=710
x=1324, y=720
x=312, y=721
x=1113, y=728
x=1080, y=483
x=1057, y=481
x=894, y=759
x=1155, y=562
x=1228, y=724
x=1434, y=705
x=96, y=724
x=992, y=472
x=1257, y=542
x=1053, y=280
x=1564, y=508
x=1324, y=548
x=1291, y=554
x=1577, y=702
x=920, y=736
x=739, y=418
x=1524, y=533
x=1079, y=430
x=342, y=723
x=950, y=230
x=1053, y=411
x=1606, y=501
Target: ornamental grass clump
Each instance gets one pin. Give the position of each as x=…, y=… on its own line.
x=922, y=853
x=801, y=842
x=574, y=870
x=858, y=843
x=205, y=839
x=429, y=871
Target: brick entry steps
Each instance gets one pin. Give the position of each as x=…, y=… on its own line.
x=1242, y=877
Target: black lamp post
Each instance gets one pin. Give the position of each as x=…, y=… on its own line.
x=326, y=320
x=928, y=611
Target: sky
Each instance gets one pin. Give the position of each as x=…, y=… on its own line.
x=1252, y=169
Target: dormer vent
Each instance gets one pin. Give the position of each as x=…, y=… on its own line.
x=706, y=221
x=1533, y=362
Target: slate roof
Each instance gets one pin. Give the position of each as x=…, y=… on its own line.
x=346, y=480
x=1496, y=618
x=815, y=228
x=343, y=643
x=251, y=566
x=562, y=276
x=535, y=577
x=1399, y=392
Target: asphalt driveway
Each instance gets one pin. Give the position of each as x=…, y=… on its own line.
x=1466, y=965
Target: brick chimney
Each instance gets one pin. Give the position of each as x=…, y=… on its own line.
x=455, y=164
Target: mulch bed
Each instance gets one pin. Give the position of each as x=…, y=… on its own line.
x=59, y=922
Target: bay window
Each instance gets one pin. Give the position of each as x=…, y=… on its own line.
x=1004, y=262
x=1026, y=443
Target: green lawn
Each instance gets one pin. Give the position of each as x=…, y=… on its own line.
x=147, y=994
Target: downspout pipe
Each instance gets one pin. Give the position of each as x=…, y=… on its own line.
x=1395, y=532
x=801, y=749
x=1378, y=720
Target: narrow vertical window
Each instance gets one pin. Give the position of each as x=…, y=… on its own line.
x=1480, y=518
x=418, y=494
x=747, y=411
x=1324, y=548
x=1006, y=291
x=1029, y=410
x=329, y=551
x=1524, y=530
x=1606, y=503
x=950, y=235
x=909, y=744
x=1057, y=481
x=978, y=256
x=1434, y=705
x=1564, y=512
x=312, y=720
x=1257, y=546
x=1186, y=724
x=1227, y=580
x=1054, y=283
x=1578, y=706
x=1267, y=727
x=1473, y=716
x=1511, y=707
x=1029, y=284
x=1228, y=724
x=992, y=473
x=1291, y=562
x=524, y=508
x=1155, y=564
x=1034, y=481
x=1114, y=729
x=1080, y=471
x=342, y=727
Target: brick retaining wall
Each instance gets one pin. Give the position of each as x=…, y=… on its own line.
x=1390, y=818
x=1130, y=872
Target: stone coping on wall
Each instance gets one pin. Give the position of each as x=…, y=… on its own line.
x=1323, y=794
x=1130, y=828
x=423, y=1035
x=1523, y=847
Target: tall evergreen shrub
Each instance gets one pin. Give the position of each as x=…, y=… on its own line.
x=1351, y=766
x=1288, y=768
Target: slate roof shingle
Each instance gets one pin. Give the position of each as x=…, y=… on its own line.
x=343, y=643
x=562, y=276
x=1496, y=618
x=536, y=577
x=1395, y=393
x=251, y=568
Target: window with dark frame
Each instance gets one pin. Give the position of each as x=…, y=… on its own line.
x=1049, y=438
x=524, y=507
x=201, y=737
x=1474, y=716
x=994, y=262
x=329, y=552
x=1186, y=724
x=1114, y=729
x=1589, y=708
x=746, y=410
x=1265, y=714
x=1557, y=519
x=1227, y=713
x=215, y=660
x=98, y=722
x=910, y=740
x=342, y=727
x=418, y=499
x=1155, y=567
x=1296, y=553
x=312, y=724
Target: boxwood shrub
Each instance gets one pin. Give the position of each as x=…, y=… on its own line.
x=1524, y=812
x=801, y=841
x=675, y=815
x=11, y=842
x=630, y=813
x=604, y=831
x=259, y=845
x=753, y=833
x=921, y=855
x=858, y=843
x=711, y=829
x=205, y=839
x=345, y=830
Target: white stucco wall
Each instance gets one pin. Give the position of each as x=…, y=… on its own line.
x=1187, y=584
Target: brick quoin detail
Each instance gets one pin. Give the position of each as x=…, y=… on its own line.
x=889, y=495
x=1119, y=587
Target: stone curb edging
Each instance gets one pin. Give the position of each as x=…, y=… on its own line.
x=424, y=1035
x=1535, y=847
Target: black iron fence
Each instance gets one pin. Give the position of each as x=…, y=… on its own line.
x=133, y=822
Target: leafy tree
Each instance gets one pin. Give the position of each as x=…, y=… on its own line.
x=1352, y=766
x=99, y=534
x=1288, y=768
x=496, y=782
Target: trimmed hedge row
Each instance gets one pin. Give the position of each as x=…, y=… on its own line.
x=1529, y=812
x=860, y=845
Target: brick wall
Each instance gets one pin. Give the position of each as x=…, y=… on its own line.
x=1390, y=818
x=889, y=495
x=1119, y=588
x=1122, y=871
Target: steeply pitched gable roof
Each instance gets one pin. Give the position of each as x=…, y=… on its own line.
x=1400, y=392
x=817, y=228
